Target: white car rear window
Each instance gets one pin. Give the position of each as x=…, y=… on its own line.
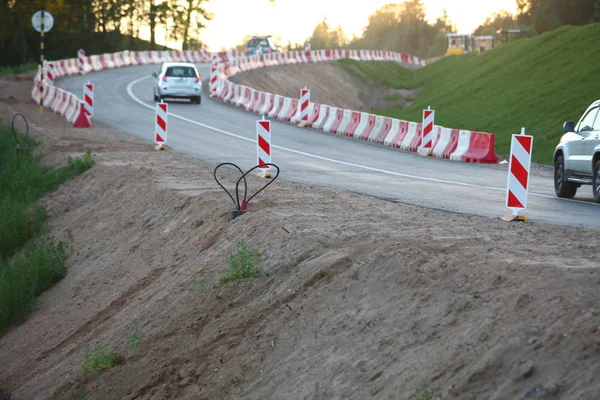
x=181, y=72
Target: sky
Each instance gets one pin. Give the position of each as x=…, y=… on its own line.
x=295, y=20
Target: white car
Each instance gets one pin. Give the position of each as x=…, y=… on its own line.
x=577, y=156
x=178, y=81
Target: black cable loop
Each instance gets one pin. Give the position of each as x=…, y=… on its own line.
x=263, y=188
x=26, y=128
x=245, y=200
x=236, y=204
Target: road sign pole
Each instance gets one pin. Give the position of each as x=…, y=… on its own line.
x=42, y=63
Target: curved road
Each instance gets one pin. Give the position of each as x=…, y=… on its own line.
x=218, y=132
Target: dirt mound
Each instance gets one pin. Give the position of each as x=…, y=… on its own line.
x=15, y=91
x=362, y=298
x=329, y=84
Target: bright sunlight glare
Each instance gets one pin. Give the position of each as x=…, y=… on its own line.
x=294, y=20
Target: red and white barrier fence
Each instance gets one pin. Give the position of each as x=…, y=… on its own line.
x=76, y=112
x=459, y=145
x=424, y=137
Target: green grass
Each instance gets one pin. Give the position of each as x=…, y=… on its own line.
x=425, y=395
x=19, y=69
x=242, y=264
x=135, y=339
x=97, y=360
x=535, y=83
x=27, y=275
x=385, y=72
x=392, y=97
x=30, y=260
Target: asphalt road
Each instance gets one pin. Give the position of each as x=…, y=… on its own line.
x=218, y=132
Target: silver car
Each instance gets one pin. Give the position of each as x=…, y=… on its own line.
x=178, y=81
x=577, y=156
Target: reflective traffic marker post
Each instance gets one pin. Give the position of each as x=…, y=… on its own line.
x=517, y=187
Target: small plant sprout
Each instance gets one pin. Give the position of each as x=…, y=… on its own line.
x=321, y=241
x=243, y=264
x=135, y=339
x=96, y=360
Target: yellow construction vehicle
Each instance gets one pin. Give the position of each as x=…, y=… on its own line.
x=458, y=43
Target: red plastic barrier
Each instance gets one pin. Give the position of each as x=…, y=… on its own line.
x=260, y=103
x=314, y=114
x=364, y=135
x=250, y=106
x=324, y=120
x=437, y=131
x=309, y=57
x=353, y=124
x=387, y=125
x=481, y=149
x=292, y=111
x=338, y=120
x=278, y=104
x=400, y=135
x=452, y=145
x=414, y=145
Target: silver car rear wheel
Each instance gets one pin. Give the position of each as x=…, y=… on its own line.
x=562, y=187
x=596, y=182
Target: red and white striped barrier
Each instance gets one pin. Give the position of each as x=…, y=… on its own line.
x=50, y=73
x=304, y=106
x=466, y=146
x=88, y=98
x=517, y=187
x=263, y=145
x=81, y=61
x=160, y=129
x=426, y=147
x=213, y=78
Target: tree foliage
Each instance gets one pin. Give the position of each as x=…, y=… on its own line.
x=495, y=23
x=326, y=37
x=97, y=26
x=398, y=27
x=546, y=15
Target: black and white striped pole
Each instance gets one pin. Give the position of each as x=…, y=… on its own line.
x=42, y=22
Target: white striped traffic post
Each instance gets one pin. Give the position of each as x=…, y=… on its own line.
x=426, y=147
x=81, y=61
x=263, y=148
x=160, y=130
x=88, y=98
x=213, y=77
x=304, y=103
x=517, y=187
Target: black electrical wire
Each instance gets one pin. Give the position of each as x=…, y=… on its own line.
x=245, y=200
x=26, y=128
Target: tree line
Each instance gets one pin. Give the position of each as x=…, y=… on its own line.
x=402, y=27
x=97, y=26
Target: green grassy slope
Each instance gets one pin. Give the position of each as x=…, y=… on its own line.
x=535, y=83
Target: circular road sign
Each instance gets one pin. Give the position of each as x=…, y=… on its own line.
x=36, y=21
